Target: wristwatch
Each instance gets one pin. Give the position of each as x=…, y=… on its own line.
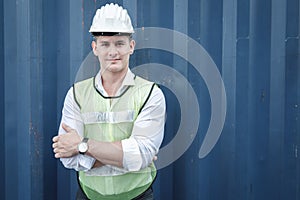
x=83, y=146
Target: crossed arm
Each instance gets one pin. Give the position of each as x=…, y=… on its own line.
x=65, y=146
x=132, y=154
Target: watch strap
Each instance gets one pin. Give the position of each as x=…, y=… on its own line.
x=85, y=140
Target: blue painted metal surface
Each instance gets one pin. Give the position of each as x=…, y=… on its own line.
x=255, y=45
x=2, y=138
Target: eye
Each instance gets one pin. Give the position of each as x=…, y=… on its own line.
x=104, y=44
x=120, y=43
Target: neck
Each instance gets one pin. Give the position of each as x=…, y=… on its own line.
x=112, y=81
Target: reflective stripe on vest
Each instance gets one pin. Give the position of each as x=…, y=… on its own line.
x=112, y=119
x=108, y=117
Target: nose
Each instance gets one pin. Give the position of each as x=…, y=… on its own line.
x=113, y=52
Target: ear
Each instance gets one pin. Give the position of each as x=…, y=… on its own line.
x=94, y=47
x=132, y=45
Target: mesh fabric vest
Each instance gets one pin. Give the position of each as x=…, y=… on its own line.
x=111, y=119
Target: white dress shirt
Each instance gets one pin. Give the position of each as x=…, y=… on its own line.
x=146, y=137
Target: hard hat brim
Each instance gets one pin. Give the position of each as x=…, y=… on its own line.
x=110, y=34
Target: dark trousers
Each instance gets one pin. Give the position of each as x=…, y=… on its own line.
x=147, y=195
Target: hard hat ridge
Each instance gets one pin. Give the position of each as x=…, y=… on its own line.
x=111, y=18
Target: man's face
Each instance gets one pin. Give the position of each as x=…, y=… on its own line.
x=113, y=52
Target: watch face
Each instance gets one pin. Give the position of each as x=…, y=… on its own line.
x=82, y=147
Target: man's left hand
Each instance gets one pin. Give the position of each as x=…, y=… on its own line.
x=66, y=145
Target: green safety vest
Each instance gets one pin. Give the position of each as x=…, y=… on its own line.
x=111, y=119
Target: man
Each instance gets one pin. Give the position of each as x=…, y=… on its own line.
x=112, y=124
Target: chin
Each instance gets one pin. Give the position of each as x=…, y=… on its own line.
x=116, y=69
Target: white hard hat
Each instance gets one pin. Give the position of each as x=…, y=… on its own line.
x=111, y=18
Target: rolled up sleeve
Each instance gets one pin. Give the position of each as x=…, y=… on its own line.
x=71, y=116
x=147, y=134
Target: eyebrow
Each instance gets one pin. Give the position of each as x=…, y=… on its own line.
x=118, y=41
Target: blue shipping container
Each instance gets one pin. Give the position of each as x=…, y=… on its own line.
x=230, y=71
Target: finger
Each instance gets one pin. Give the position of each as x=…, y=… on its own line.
x=61, y=154
x=154, y=158
x=55, y=139
x=54, y=145
x=57, y=155
x=66, y=127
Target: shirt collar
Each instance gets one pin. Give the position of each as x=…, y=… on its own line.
x=128, y=81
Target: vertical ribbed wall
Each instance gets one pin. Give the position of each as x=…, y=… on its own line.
x=255, y=46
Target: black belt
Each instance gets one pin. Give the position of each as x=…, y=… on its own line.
x=81, y=195
x=147, y=193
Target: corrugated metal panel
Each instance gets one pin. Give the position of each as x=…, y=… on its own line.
x=2, y=138
x=254, y=44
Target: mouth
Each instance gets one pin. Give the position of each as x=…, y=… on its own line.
x=113, y=60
